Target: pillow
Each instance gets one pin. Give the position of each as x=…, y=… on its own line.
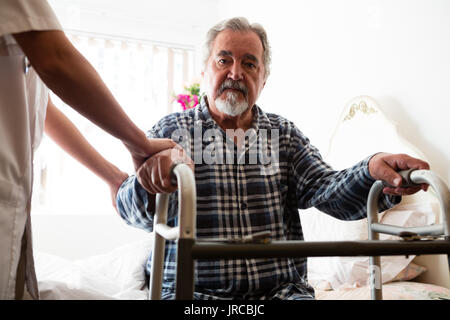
x=125, y=265
x=411, y=271
x=354, y=271
x=119, y=274
x=59, y=278
x=363, y=130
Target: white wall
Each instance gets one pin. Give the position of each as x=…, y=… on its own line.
x=81, y=236
x=327, y=51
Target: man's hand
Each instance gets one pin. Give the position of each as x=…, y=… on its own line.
x=384, y=166
x=154, y=174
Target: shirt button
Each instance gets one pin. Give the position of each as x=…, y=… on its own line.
x=243, y=205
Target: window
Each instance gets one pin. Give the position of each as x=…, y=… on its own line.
x=143, y=76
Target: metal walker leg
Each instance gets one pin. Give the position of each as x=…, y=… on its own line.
x=184, y=232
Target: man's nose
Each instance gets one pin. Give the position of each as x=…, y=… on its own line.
x=235, y=72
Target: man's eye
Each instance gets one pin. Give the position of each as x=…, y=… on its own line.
x=250, y=65
x=222, y=61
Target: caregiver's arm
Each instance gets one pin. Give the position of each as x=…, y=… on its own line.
x=69, y=75
x=61, y=130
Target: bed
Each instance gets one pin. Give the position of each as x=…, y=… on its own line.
x=116, y=275
x=362, y=129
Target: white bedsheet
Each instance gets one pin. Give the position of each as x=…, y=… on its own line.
x=403, y=290
x=119, y=274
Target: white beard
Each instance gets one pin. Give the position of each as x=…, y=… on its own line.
x=231, y=106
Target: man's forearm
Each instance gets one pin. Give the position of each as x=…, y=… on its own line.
x=342, y=194
x=133, y=204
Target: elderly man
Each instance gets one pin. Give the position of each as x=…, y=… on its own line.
x=238, y=194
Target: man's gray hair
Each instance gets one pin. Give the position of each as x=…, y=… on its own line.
x=239, y=24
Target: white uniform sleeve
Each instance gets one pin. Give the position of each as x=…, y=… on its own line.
x=25, y=15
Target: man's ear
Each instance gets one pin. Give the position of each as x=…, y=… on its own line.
x=264, y=84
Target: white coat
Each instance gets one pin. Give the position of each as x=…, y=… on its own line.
x=23, y=102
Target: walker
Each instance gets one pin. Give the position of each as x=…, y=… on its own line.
x=416, y=240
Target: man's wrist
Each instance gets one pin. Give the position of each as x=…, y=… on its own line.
x=370, y=162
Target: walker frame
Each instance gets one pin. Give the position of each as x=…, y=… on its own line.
x=189, y=248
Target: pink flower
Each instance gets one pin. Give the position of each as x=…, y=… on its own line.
x=187, y=101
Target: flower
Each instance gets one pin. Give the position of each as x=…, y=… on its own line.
x=190, y=98
x=187, y=101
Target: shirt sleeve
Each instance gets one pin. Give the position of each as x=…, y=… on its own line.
x=341, y=194
x=25, y=15
x=132, y=203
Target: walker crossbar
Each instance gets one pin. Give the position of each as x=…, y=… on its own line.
x=296, y=249
x=299, y=249
x=190, y=249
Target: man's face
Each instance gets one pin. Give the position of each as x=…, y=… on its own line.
x=234, y=75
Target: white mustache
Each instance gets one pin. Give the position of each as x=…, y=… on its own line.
x=231, y=84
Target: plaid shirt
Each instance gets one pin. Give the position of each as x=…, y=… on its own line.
x=236, y=198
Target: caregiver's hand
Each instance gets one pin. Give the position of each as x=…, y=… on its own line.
x=116, y=180
x=147, y=148
x=383, y=166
